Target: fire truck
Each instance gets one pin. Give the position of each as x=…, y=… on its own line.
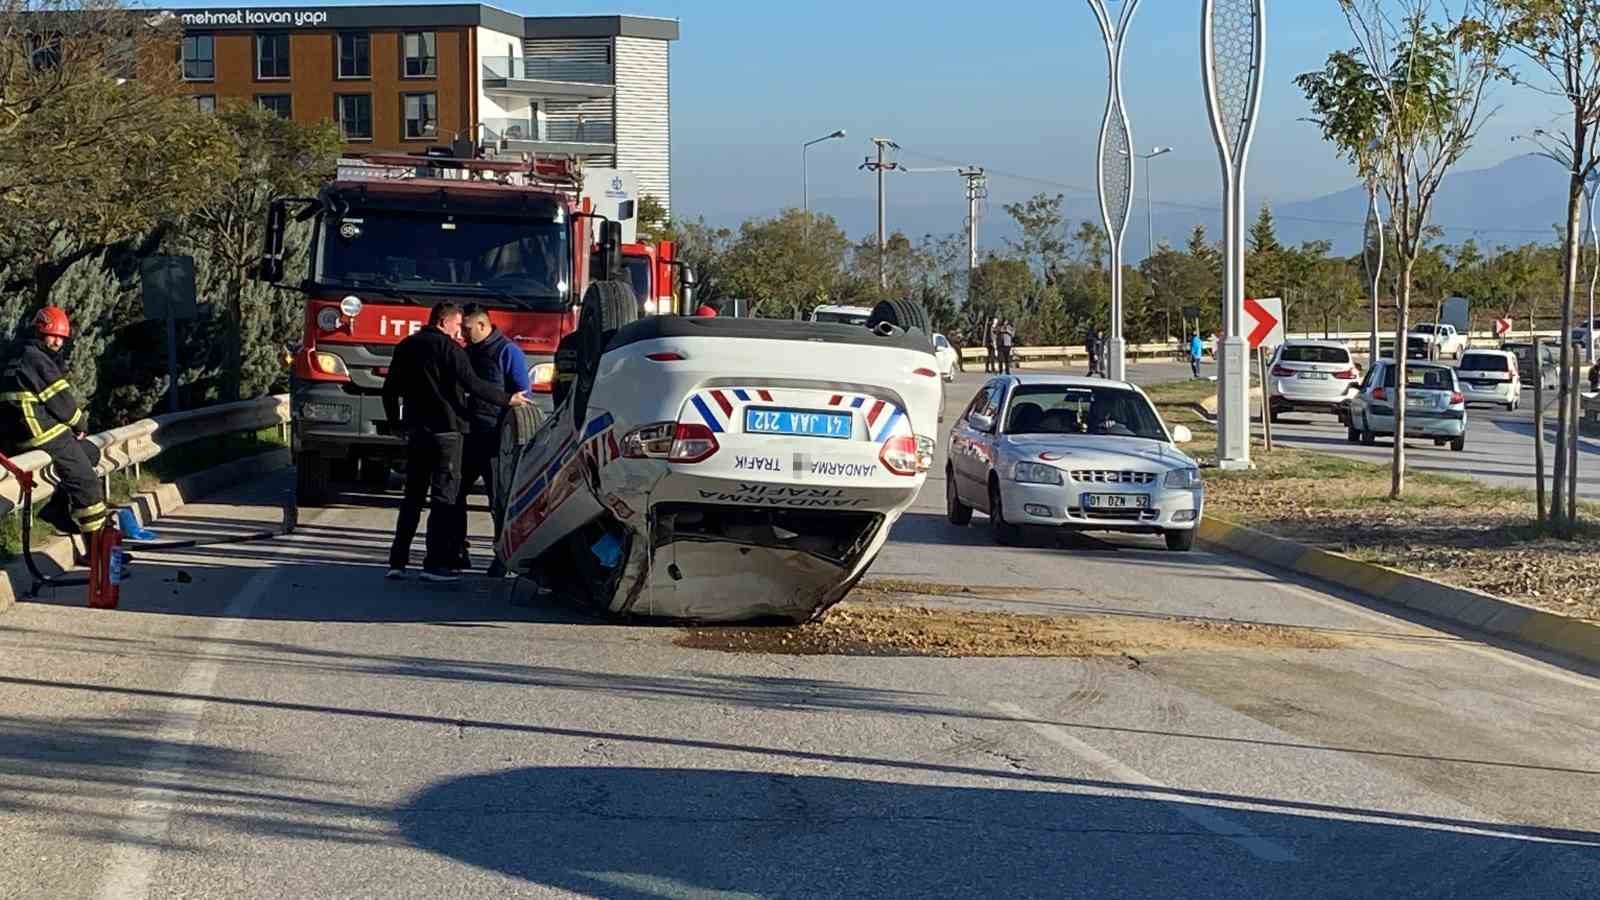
x=649, y=269
x=391, y=236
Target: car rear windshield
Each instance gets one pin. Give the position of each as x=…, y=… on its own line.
x=1426, y=378
x=1057, y=409
x=1485, y=362
x=838, y=318
x=1314, y=354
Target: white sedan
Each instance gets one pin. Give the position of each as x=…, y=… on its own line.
x=717, y=469
x=1068, y=452
x=949, y=359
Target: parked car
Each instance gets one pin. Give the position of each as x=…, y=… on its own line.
x=1490, y=376
x=1446, y=341
x=1549, y=370
x=1421, y=347
x=1435, y=406
x=948, y=358
x=1069, y=452
x=1310, y=375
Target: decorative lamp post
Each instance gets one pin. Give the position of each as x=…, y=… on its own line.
x=1115, y=169
x=1233, y=50
x=1372, y=263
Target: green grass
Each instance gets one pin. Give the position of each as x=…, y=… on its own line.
x=172, y=464
x=1180, y=392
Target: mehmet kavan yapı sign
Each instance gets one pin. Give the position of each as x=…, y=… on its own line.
x=298, y=18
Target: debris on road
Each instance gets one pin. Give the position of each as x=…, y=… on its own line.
x=856, y=628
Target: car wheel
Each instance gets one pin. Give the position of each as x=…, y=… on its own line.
x=1353, y=436
x=906, y=314
x=1004, y=534
x=1367, y=437
x=1459, y=444
x=957, y=512
x=1440, y=442
x=311, y=479
x=607, y=306
x=1180, y=541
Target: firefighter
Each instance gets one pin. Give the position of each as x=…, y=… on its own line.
x=38, y=411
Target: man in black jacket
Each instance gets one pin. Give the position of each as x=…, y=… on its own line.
x=39, y=412
x=431, y=372
x=497, y=360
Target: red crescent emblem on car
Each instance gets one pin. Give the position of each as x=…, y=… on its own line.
x=1052, y=456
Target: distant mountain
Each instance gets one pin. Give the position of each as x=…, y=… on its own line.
x=1516, y=202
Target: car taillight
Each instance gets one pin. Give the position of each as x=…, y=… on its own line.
x=1380, y=394
x=899, y=455
x=544, y=377
x=649, y=441
x=1346, y=375
x=665, y=356
x=1282, y=372
x=1455, y=398
x=925, y=372
x=692, y=443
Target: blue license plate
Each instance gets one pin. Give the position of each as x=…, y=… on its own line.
x=803, y=423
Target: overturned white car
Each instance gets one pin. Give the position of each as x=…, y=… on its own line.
x=722, y=469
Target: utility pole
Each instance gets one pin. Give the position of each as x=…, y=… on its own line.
x=880, y=166
x=977, y=189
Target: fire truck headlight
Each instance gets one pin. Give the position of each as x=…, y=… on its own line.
x=350, y=306
x=328, y=319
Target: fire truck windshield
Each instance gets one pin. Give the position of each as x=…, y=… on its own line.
x=639, y=275
x=504, y=261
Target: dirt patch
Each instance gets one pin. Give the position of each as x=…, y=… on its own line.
x=855, y=629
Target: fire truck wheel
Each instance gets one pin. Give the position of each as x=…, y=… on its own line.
x=311, y=473
x=607, y=306
x=906, y=314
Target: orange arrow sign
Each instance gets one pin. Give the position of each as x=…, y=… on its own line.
x=1264, y=319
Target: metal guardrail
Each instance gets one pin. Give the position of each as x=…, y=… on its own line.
x=1170, y=349
x=139, y=442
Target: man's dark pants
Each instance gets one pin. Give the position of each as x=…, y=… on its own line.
x=78, y=505
x=433, y=475
x=478, y=461
x=1194, y=363
x=1005, y=359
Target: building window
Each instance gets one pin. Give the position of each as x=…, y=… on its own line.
x=421, y=116
x=275, y=103
x=422, y=56
x=272, y=55
x=355, y=54
x=206, y=103
x=355, y=116
x=199, y=57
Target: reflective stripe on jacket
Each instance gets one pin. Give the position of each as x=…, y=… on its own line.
x=37, y=404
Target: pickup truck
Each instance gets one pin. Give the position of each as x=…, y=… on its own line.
x=1443, y=339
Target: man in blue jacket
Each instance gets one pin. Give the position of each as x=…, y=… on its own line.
x=1196, y=350
x=498, y=360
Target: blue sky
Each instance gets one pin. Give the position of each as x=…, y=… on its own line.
x=1018, y=87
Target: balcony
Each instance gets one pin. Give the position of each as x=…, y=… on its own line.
x=556, y=79
x=556, y=137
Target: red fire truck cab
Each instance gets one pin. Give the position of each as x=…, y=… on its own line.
x=390, y=237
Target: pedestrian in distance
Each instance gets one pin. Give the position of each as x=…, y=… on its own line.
x=1197, y=349
x=989, y=337
x=39, y=411
x=1006, y=338
x=498, y=360
x=432, y=374
x=1091, y=346
x=1100, y=353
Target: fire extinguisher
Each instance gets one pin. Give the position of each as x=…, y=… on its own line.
x=106, y=562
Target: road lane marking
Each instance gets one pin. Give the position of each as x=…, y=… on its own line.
x=1206, y=817
x=144, y=828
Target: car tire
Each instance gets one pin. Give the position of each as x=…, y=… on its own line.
x=904, y=314
x=311, y=479
x=517, y=431
x=1179, y=541
x=1459, y=444
x=1353, y=436
x=959, y=514
x=1367, y=437
x=607, y=306
x=1004, y=534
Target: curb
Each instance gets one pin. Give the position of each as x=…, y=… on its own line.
x=1576, y=638
x=55, y=555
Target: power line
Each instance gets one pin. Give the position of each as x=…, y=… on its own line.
x=1198, y=207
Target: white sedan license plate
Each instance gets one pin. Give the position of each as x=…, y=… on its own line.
x=1418, y=403
x=1116, y=501
x=1315, y=376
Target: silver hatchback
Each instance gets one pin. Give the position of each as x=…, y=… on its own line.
x=1435, y=406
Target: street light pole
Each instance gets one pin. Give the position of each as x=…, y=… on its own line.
x=1233, y=38
x=880, y=166
x=805, y=180
x=1149, y=226
x=1589, y=185
x=1115, y=170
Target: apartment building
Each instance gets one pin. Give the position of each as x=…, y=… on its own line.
x=402, y=78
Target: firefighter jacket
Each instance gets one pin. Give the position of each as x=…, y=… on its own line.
x=36, y=403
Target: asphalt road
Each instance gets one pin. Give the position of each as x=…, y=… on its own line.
x=275, y=720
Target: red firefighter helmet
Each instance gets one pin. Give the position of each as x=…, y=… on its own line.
x=52, y=321
x=705, y=311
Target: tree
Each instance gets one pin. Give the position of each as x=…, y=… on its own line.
x=652, y=219
x=784, y=270
x=1043, y=243
x=1403, y=106
x=276, y=158
x=1559, y=43
x=89, y=154
x=705, y=249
